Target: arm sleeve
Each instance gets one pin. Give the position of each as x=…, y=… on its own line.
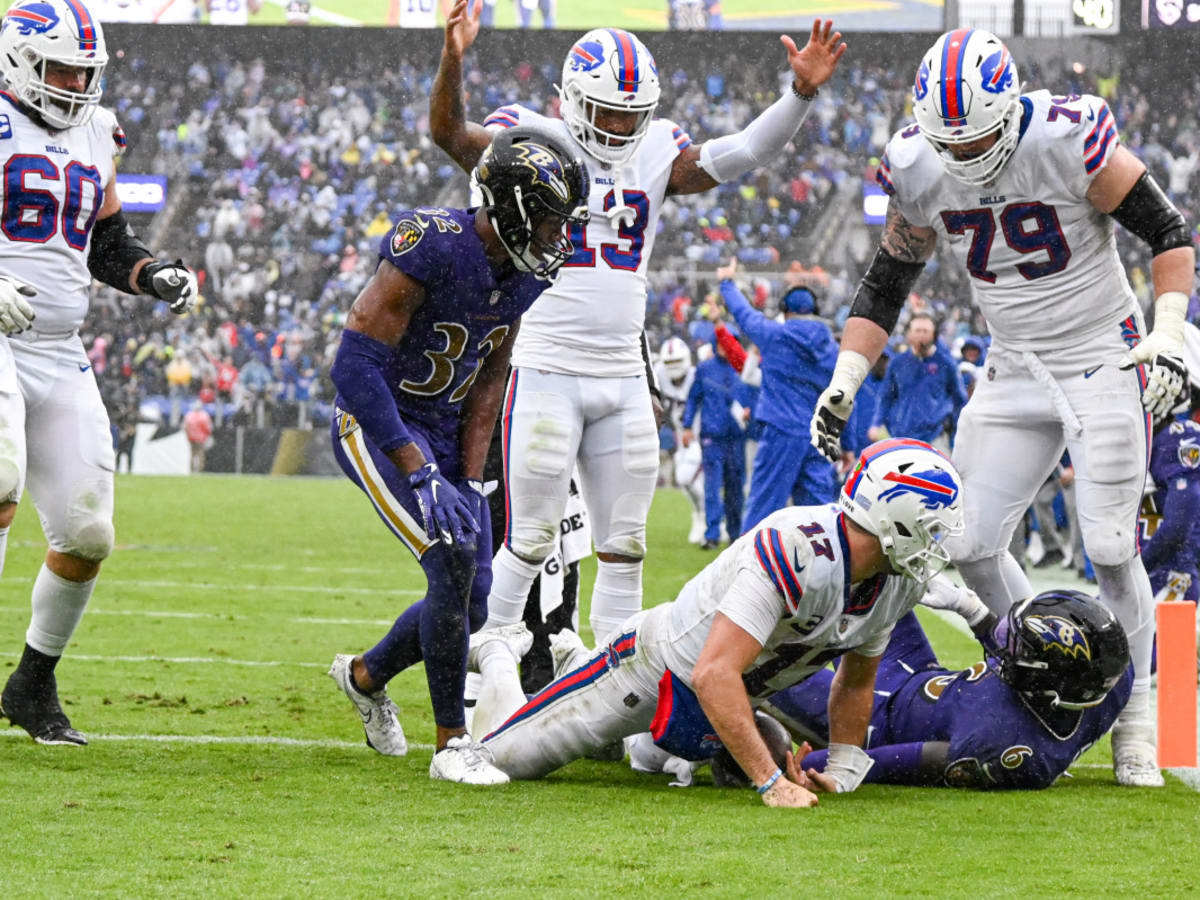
x=735, y=154
x=357, y=373
x=754, y=324
x=1180, y=509
x=894, y=764
x=734, y=351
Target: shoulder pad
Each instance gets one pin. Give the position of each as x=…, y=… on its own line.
x=510, y=115
x=784, y=556
x=906, y=152
x=678, y=136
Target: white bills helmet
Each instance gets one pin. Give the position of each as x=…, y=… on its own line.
x=676, y=358
x=608, y=69
x=37, y=33
x=967, y=88
x=909, y=496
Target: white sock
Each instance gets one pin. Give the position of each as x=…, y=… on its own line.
x=3, y=547
x=512, y=578
x=616, y=596
x=1125, y=589
x=58, y=606
x=998, y=580
x=500, y=694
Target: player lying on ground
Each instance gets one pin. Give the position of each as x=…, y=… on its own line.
x=1055, y=676
x=579, y=390
x=1026, y=190
x=419, y=374
x=54, y=429
x=809, y=585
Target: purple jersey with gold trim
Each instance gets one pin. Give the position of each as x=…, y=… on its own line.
x=995, y=740
x=1170, y=518
x=467, y=313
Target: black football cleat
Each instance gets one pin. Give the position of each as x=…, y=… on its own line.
x=34, y=706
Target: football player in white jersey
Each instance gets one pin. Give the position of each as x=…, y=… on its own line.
x=232, y=12
x=808, y=585
x=1026, y=188
x=674, y=375
x=62, y=226
x=579, y=388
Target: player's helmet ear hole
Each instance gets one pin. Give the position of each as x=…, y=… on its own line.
x=900, y=527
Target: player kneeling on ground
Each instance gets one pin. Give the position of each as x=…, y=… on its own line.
x=809, y=585
x=419, y=374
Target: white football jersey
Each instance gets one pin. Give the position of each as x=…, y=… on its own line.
x=786, y=583
x=228, y=12
x=418, y=14
x=47, y=223
x=1043, y=261
x=590, y=320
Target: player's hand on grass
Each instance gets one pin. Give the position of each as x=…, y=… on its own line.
x=829, y=421
x=16, y=314
x=790, y=789
x=462, y=27
x=447, y=513
x=814, y=65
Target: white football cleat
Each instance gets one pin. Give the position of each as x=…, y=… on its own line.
x=465, y=761
x=696, y=533
x=516, y=637
x=567, y=651
x=1135, y=758
x=380, y=716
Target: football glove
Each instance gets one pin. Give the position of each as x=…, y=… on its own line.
x=1162, y=351
x=478, y=493
x=835, y=403
x=447, y=513
x=16, y=314
x=172, y=282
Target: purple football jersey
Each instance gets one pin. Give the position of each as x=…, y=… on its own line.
x=1173, y=546
x=467, y=313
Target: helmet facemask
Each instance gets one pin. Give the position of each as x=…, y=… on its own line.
x=579, y=111
x=519, y=225
x=985, y=167
x=917, y=551
x=60, y=108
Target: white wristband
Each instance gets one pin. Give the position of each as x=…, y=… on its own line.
x=1170, y=313
x=850, y=372
x=848, y=765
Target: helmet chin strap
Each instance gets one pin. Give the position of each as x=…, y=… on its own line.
x=621, y=213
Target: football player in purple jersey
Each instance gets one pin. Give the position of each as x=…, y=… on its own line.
x=419, y=373
x=1054, y=678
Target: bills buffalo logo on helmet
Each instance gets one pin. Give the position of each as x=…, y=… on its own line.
x=33, y=18
x=406, y=236
x=586, y=55
x=997, y=72
x=921, y=87
x=1061, y=634
x=935, y=487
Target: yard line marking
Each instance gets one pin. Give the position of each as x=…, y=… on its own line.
x=235, y=588
x=160, y=614
x=248, y=740
x=186, y=660
x=1190, y=777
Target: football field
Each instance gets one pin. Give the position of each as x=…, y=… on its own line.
x=225, y=763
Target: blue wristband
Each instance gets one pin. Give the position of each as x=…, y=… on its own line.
x=766, y=785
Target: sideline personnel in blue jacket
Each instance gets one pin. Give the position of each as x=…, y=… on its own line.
x=922, y=391
x=798, y=356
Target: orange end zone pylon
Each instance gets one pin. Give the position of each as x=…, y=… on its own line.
x=1176, y=684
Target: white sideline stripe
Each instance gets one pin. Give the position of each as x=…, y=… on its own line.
x=242, y=588
x=161, y=614
x=267, y=567
x=249, y=740
x=324, y=15
x=1190, y=777
x=186, y=660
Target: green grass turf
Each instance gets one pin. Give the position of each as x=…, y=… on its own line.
x=248, y=561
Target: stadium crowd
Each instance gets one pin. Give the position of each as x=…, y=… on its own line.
x=294, y=166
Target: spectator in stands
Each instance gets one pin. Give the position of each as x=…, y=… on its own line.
x=198, y=427
x=922, y=393
x=798, y=356
x=721, y=399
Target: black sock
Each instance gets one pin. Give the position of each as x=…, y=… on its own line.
x=37, y=665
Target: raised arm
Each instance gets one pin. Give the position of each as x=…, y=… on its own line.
x=463, y=141
x=753, y=323
x=702, y=168
x=881, y=294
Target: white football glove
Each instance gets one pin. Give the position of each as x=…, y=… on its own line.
x=836, y=402
x=942, y=593
x=172, y=282
x=16, y=314
x=1162, y=351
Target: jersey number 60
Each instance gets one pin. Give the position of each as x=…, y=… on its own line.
x=30, y=214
